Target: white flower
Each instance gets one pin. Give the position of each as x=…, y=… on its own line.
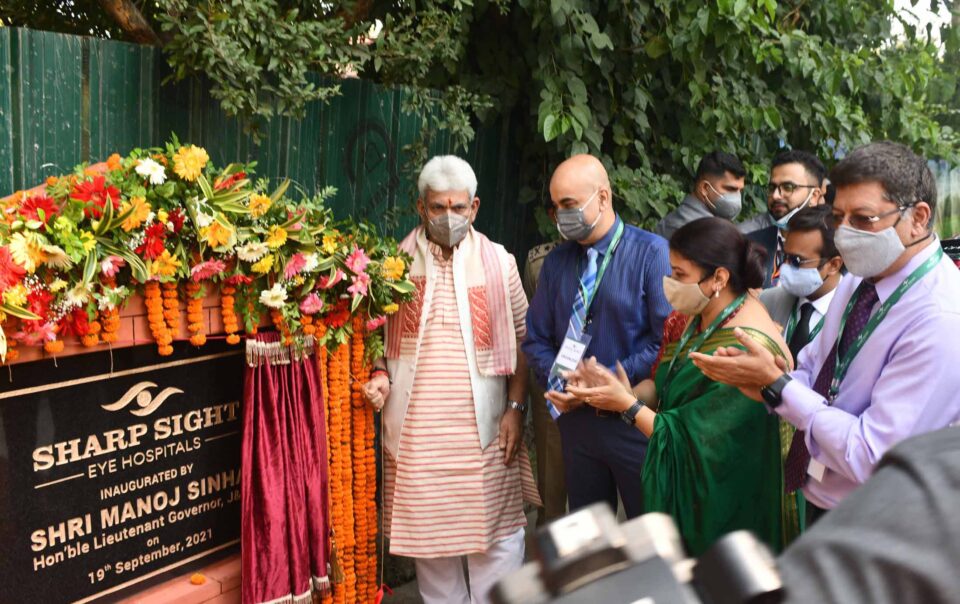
x=56, y=257
x=251, y=252
x=203, y=220
x=77, y=296
x=311, y=262
x=274, y=297
x=148, y=168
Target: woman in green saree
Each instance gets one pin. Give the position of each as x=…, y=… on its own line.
x=714, y=458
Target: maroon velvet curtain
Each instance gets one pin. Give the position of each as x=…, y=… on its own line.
x=284, y=539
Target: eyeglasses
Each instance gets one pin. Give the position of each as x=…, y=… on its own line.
x=786, y=188
x=798, y=261
x=865, y=223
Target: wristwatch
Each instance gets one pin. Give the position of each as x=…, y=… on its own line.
x=521, y=407
x=772, y=393
x=629, y=416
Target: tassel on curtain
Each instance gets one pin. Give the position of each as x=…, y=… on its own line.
x=284, y=537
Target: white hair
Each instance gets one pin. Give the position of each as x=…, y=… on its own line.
x=447, y=173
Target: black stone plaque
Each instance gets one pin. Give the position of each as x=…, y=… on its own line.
x=116, y=468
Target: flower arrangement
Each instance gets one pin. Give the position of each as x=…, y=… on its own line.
x=166, y=223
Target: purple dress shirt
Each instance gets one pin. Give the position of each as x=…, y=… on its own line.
x=904, y=381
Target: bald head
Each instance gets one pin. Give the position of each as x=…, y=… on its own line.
x=580, y=169
x=582, y=182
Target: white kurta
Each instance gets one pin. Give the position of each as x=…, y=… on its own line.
x=444, y=495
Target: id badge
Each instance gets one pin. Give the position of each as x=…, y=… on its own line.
x=816, y=470
x=570, y=355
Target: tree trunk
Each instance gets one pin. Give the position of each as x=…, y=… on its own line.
x=131, y=20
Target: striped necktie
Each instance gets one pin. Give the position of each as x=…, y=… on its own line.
x=578, y=318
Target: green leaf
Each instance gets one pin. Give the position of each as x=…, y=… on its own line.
x=404, y=287
x=205, y=187
x=90, y=266
x=656, y=47
x=280, y=191
x=549, y=132
x=16, y=311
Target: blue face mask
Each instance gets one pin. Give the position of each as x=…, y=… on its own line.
x=801, y=282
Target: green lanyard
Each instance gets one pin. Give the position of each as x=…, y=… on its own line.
x=842, y=365
x=691, y=328
x=588, y=300
x=792, y=325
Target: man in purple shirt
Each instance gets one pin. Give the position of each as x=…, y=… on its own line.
x=884, y=366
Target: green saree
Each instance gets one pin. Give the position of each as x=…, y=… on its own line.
x=714, y=459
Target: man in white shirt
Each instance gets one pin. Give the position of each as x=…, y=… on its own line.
x=809, y=276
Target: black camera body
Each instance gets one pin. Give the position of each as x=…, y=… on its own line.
x=587, y=558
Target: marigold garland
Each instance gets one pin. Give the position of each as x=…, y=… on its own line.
x=194, y=293
x=171, y=307
x=92, y=337
x=158, y=325
x=229, y=315
x=110, y=317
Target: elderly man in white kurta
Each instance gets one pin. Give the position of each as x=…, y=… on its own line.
x=452, y=387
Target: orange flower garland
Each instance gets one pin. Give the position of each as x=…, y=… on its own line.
x=158, y=326
x=358, y=406
x=229, y=315
x=252, y=318
x=308, y=327
x=338, y=436
x=171, y=307
x=195, y=313
x=92, y=337
x=281, y=324
x=110, y=317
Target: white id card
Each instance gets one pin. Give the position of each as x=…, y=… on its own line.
x=816, y=470
x=570, y=355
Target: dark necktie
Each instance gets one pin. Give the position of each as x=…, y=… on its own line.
x=798, y=458
x=801, y=332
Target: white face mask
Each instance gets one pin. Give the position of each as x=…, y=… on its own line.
x=801, y=282
x=686, y=298
x=868, y=254
x=782, y=222
x=726, y=205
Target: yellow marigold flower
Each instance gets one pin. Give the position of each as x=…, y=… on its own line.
x=264, y=265
x=87, y=240
x=188, y=162
x=16, y=295
x=27, y=250
x=162, y=216
x=329, y=244
x=141, y=209
x=277, y=237
x=298, y=280
x=165, y=265
x=57, y=285
x=391, y=308
x=393, y=268
x=258, y=204
x=216, y=235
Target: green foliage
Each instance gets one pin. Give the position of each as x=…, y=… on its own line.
x=649, y=86
x=257, y=54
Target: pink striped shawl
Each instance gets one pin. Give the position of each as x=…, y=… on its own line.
x=491, y=314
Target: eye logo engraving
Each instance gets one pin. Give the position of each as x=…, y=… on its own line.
x=146, y=402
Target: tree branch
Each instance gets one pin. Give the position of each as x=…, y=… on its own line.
x=131, y=21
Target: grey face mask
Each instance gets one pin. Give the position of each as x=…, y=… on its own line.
x=868, y=254
x=727, y=205
x=448, y=229
x=572, y=224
